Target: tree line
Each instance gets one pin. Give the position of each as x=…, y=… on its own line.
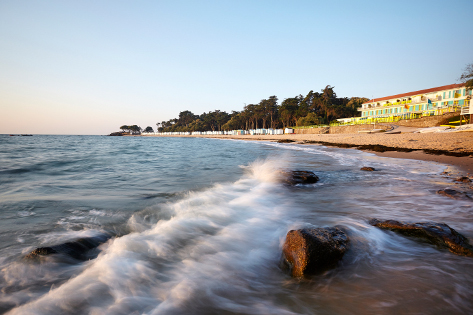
x=134, y=129
x=313, y=109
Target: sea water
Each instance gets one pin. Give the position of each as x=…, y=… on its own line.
x=198, y=226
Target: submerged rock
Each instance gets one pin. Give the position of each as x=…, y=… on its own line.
x=77, y=249
x=299, y=177
x=308, y=251
x=452, y=193
x=463, y=179
x=439, y=234
x=367, y=168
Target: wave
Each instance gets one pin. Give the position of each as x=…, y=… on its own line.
x=215, y=248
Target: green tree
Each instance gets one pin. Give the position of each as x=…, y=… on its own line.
x=288, y=110
x=186, y=117
x=266, y=111
x=353, y=104
x=125, y=128
x=196, y=125
x=149, y=129
x=135, y=129
x=237, y=121
x=251, y=116
x=309, y=120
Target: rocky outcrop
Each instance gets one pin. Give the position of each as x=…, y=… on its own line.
x=309, y=251
x=463, y=179
x=367, y=168
x=77, y=249
x=285, y=141
x=116, y=134
x=439, y=234
x=452, y=193
x=299, y=177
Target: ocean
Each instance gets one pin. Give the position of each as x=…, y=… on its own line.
x=197, y=226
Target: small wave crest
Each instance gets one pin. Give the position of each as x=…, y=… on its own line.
x=213, y=249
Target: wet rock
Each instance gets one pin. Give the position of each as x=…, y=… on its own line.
x=77, y=249
x=299, y=177
x=463, y=179
x=308, y=251
x=454, y=194
x=116, y=134
x=439, y=234
x=285, y=141
x=367, y=168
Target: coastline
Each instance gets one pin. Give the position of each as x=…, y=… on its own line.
x=455, y=149
x=463, y=163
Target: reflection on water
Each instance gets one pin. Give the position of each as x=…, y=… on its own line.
x=201, y=223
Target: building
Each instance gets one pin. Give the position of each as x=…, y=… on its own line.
x=434, y=101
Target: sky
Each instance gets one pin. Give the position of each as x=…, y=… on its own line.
x=89, y=67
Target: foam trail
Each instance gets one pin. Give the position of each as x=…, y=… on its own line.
x=217, y=250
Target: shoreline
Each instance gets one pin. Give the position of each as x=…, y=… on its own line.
x=455, y=149
x=464, y=164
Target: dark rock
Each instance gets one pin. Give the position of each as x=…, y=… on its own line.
x=285, y=141
x=463, y=179
x=308, y=251
x=116, y=134
x=439, y=234
x=299, y=177
x=453, y=194
x=77, y=249
x=367, y=168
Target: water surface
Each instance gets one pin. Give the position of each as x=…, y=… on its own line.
x=199, y=225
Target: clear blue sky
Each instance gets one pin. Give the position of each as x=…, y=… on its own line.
x=88, y=67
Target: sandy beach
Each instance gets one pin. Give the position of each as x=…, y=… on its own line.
x=454, y=148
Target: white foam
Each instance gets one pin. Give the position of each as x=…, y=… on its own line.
x=223, y=239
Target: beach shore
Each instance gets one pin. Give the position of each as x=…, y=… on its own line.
x=454, y=148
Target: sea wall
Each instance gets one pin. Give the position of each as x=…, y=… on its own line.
x=338, y=129
x=425, y=122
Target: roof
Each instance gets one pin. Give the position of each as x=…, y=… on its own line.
x=435, y=89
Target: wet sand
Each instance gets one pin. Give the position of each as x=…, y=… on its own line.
x=463, y=163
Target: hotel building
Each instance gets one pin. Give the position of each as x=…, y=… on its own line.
x=434, y=101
